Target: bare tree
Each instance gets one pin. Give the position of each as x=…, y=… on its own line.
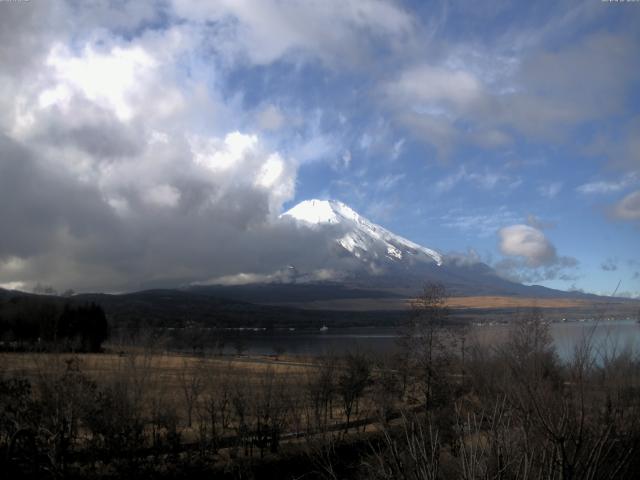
x=354, y=378
x=215, y=407
x=321, y=388
x=410, y=451
x=270, y=405
x=191, y=384
x=386, y=388
x=427, y=342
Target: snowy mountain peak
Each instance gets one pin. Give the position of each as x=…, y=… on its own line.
x=322, y=211
x=363, y=238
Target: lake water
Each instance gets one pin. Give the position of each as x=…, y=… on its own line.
x=606, y=336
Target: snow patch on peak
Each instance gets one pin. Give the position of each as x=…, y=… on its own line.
x=314, y=212
x=322, y=211
x=362, y=235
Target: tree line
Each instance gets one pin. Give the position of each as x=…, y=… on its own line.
x=41, y=323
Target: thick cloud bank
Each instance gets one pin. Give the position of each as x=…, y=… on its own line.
x=123, y=166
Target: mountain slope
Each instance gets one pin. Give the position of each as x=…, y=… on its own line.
x=362, y=237
x=390, y=261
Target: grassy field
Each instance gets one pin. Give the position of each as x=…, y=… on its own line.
x=160, y=377
x=473, y=302
x=161, y=373
x=169, y=365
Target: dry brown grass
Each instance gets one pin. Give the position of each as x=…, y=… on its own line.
x=515, y=302
x=157, y=378
x=166, y=365
x=497, y=302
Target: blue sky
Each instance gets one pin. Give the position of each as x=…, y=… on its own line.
x=509, y=132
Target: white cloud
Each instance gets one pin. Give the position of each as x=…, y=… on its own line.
x=488, y=95
x=603, y=186
x=428, y=99
x=271, y=171
x=531, y=257
x=550, y=190
x=220, y=156
x=486, y=180
x=346, y=160
x=13, y=286
x=528, y=243
x=288, y=275
x=479, y=223
x=397, y=149
x=599, y=187
x=162, y=195
x=390, y=181
x=365, y=141
x=263, y=31
x=110, y=79
x=315, y=147
x=433, y=89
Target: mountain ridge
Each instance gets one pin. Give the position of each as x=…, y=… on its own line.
x=359, y=239
x=388, y=260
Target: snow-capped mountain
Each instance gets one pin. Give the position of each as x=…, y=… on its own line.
x=362, y=238
x=387, y=260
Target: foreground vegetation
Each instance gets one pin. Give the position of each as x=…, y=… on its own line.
x=441, y=408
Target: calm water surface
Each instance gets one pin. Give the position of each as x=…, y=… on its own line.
x=607, y=337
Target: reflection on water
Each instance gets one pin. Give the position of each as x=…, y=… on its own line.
x=607, y=338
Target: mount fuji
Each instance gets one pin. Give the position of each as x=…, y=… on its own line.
x=364, y=266
x=362, y=238
x=386, y=260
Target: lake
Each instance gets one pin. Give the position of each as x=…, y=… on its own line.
x=607, y=337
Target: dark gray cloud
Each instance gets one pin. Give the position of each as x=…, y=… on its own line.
x=63, y=232
x=92, y=130
x=26, y=31
x=562, y=85
x=40, y=204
